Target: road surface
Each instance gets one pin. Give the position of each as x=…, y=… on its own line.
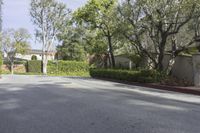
x=40, y=104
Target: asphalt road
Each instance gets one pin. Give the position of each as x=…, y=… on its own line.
x=39, y=104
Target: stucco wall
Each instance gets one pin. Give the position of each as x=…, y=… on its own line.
x=29, y=56
x=196, y=69
x=183, y=68
x=122, y=62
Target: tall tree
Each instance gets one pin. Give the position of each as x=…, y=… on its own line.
x=72, y=46
x=1, y=20
x=48, y=17
x=100, y=15
x=153, y=25
x=14, y=42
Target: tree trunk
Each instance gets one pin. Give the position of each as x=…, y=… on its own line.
x=12, y=68
x=173, y=56
x=105, y=60
x=160, y=61
x=109, y=59
x=45, y=63
x=162, y=53
x=170, y=66
x=111, y=51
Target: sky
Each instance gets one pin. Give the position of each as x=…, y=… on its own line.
x=16, y=15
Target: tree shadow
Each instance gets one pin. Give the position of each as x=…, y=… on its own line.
x=51, y=106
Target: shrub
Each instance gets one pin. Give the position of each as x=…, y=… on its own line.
x=34, y=57
x=20, y=62
x=142, y=76
x=15, y=62
x=34, y=66
x=75, y=68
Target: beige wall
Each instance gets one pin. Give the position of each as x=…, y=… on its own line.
x=196, y=69
x=122, y=62
x=183, y=68
x=29, y=56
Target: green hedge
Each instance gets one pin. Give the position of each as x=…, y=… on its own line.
x=142, y=76
x=70, y=68
x=16, y=62
x=34, y=66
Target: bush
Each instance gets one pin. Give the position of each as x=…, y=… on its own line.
x=34, y=66
x=142, y=76
x=34, y=57
x=70, y=68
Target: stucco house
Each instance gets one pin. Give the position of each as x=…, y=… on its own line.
x=34, y=52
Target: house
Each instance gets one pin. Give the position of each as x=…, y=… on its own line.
x=124, y=61
x=37, y=53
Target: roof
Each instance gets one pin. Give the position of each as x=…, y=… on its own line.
x=37, y=51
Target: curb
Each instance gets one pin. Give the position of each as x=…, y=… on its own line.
x=159, y=87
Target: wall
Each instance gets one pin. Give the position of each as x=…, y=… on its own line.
x=183, y=68
x=29, y=56
x=122, y=62
x=196, y=69
x=17, y=69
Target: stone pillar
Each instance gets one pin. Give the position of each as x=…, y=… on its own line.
x=196, y=69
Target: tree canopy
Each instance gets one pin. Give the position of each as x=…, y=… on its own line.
x=48, y=16
x=15, y=42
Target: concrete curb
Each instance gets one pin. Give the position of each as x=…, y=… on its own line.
x=185, y=90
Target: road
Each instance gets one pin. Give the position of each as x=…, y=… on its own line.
x=40, y=104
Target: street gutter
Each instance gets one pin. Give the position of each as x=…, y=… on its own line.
x=185, y=90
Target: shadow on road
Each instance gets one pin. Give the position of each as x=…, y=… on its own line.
x=90, y=106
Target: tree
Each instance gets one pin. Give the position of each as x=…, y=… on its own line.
x=15, y=42
x=100, y=15
x=1, y=3
x=153, y=26
x=72, y=47
x=48, y=16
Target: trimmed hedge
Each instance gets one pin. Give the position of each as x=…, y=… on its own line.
x=34, y=66
x=16, y=62
x=75, y=68
x=141, y=76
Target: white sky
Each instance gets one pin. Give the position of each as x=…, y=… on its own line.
x=16, y=15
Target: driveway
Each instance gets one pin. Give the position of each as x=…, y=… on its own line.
x=40, y=104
